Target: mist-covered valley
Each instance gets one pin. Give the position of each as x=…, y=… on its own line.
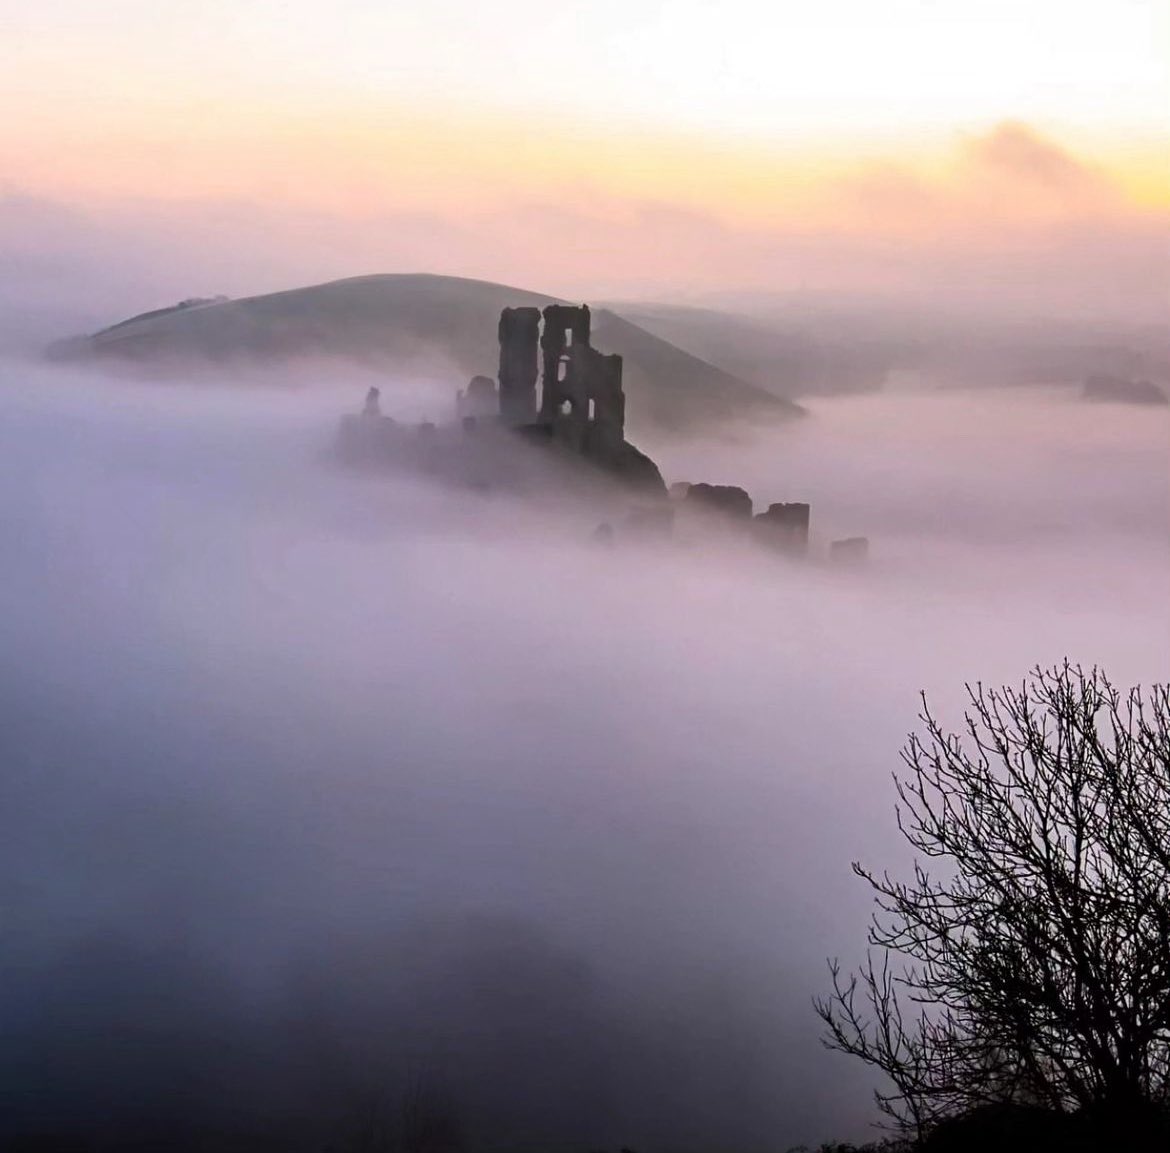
x=331, y=802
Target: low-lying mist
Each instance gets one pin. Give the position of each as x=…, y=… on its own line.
x=323, y=793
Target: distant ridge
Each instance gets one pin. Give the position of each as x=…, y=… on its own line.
x=419, y=323
x=192, y=302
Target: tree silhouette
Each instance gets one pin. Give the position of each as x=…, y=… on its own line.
x=1031, y=967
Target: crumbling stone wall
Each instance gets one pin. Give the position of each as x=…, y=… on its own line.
x=852, y=550
x=519, y=335
x=566, y=329
x=784, y=526
x=606, y=399
x=724, y=499
x=479, y=400
x=581, y=396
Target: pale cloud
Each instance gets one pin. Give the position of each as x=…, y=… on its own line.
x=1011, y=222
x=1022, y=153
x=1007, y=176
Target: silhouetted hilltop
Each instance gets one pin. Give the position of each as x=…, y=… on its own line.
x=190, y=302
x=419, y=323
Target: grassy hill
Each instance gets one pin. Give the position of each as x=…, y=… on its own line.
x=788, y=358
x=432, y=325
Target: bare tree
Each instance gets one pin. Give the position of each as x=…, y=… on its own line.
x=1032, y=967
x=430, y=1118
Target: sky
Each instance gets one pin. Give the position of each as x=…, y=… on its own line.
x=667, y=148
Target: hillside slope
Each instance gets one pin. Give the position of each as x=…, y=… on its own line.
x=787, y=358
x=433, y=325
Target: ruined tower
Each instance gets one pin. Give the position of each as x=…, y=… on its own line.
x=519, y=339
x=565, y=329
x=581, y=397
x=597, y=378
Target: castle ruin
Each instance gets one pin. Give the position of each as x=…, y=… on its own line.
x=578, y=395
x=559, y=394
x=554, y=389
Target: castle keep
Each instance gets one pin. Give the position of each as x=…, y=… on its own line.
x=554, y=390
x=580, y=389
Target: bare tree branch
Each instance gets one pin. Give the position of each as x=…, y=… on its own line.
x=1034, y=966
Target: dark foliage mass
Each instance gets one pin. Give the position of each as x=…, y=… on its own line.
x=1018, y=989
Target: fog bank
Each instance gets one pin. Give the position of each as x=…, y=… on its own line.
x=320, y=787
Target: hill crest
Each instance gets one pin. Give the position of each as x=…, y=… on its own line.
x=420, y=322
